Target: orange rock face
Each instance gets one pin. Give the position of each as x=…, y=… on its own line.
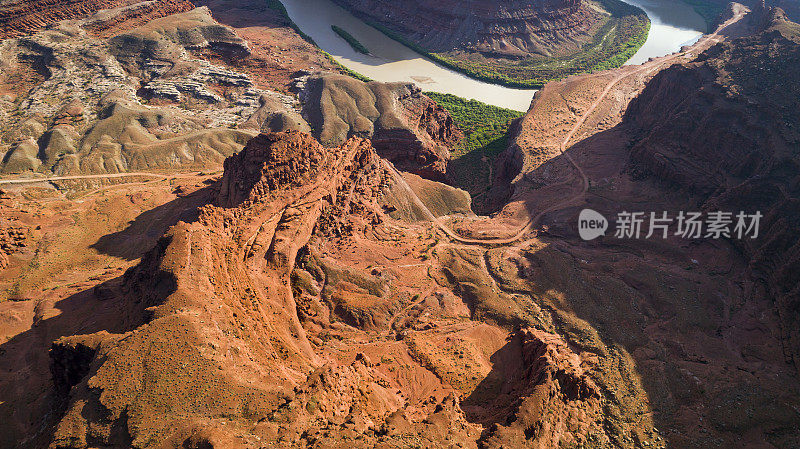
x=12, y=239
x=20, y=17
x=231, y=315
x=305, y=293
x=507, y=28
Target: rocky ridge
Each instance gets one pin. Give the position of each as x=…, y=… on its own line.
x=233, y=326
x=21, y=17
x=276, y=194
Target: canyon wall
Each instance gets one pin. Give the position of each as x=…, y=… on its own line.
x=508, y=27
x=726, y=130
x=21, y=17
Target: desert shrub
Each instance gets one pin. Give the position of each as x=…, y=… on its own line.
x=485, y=130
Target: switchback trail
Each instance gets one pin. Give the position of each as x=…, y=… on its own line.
x=704, y=43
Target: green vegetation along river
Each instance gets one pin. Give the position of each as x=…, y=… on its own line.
x=674, y=24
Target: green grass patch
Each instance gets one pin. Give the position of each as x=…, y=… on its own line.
x=354, y=43
x=485, y=130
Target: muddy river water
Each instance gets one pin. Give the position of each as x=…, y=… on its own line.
x=674, y=24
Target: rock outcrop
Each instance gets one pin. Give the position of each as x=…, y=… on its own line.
x=222, y=355
x=405, y=126
x=553, y=392
x=163, y=40
x=231, y=319
x=108, y=105
x=12, y=238
x=19, y=17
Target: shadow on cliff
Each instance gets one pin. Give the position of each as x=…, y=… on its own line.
x=609, y=292
x=142, y=233
x=493, y=399
x=31, y=402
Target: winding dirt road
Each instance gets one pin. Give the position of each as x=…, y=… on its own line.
x=651, y=66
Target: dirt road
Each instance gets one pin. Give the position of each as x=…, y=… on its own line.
x=79, y=177
x=658, y=64
x=651, y=66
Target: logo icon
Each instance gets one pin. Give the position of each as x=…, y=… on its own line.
x=591, y=224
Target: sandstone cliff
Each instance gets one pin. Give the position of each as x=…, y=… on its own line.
x=510, y=27
x=21, y=17
x=232, y=363
x=234, y=324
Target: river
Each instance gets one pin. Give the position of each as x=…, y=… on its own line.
x=674, y=24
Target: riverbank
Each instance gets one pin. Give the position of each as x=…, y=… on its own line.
x=616, y=40
x=710, y=12
x=389, y=61
x=672, y=24
x=279, y=8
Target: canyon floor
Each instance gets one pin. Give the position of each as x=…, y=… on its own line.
x=231, y=244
